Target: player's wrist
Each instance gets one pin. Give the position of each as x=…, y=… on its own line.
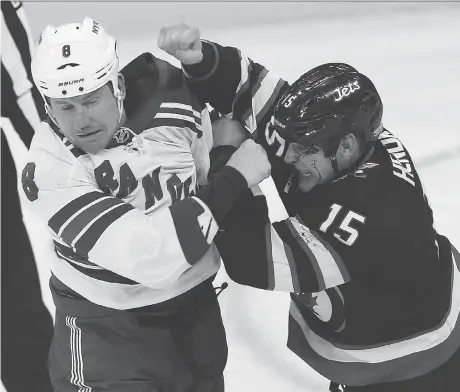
x=206, y=67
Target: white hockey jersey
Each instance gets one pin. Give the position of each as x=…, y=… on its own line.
x=123, y=238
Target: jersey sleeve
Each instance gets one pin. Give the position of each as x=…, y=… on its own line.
x=153, y=250
x=232, y=83
x=282, y=256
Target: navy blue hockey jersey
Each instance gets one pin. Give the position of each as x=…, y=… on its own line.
x=375, y=290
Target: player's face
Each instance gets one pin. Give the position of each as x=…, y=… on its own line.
x=314, y=168
x=88, y=121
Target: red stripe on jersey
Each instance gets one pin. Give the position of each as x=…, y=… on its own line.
x=91, y=236
x=78, y=223
x=60, y=217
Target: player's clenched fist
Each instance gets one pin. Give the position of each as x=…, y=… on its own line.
x=251, y=161
x=181, y=41
x=226, y=131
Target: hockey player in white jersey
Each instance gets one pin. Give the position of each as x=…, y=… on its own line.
x=375, y=289
x=114, y=173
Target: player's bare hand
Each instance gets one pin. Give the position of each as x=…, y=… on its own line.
x=181, y=41
x=251, y=161
x=228, y=132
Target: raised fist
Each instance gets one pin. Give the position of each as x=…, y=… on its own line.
x=181, y=41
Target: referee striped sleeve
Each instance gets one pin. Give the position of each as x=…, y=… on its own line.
x=12, y=59
x=11, y=109
x=18, y=26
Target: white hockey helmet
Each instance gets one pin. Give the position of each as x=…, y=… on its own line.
x=75, y=59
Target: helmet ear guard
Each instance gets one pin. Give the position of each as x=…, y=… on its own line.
x=75, y=59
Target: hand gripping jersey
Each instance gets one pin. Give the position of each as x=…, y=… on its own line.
x=127, y=230
x=375, y=290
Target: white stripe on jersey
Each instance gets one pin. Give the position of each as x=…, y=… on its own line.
x=330, y=271
x=179, y=117
x=93, y=267
x=99, y=216
x=390, y=351
x=283, y=276
x=176, y=105
x=263, y=92
x=85, y=207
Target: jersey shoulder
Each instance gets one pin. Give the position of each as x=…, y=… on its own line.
x=49, y=144
x=158, y=96
x=147, y=74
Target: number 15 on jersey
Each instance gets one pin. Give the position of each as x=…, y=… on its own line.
x=346, y=225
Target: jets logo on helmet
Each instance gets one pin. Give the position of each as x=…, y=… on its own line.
x=342, y=92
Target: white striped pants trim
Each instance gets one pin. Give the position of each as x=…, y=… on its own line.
x=77, y=377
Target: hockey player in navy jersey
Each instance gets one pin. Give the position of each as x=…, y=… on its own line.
x=375, y=289
x=119, y=175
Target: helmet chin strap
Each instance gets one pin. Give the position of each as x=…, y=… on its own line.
x=48, y=113
x=120, y=106
x=335, y=165
x=118, y=96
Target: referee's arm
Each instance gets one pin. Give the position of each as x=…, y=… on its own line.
x=21, y=102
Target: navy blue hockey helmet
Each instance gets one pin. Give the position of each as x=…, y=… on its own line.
x=327, y=103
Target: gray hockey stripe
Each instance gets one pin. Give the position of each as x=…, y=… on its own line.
x=270, y=266
x=254, y=91
x=259, y=80
x=271, y=101
x=292, y=266
x=338, y=260
x=361, y=372
x=245, y=85
x=310, y=255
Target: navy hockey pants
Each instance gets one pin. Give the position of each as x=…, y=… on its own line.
x=177, y=349
x=445, y=378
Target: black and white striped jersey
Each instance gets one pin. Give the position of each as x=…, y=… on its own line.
x=21, y=101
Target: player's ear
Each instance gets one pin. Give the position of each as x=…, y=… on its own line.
x=349, y=145
x=122, y=86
